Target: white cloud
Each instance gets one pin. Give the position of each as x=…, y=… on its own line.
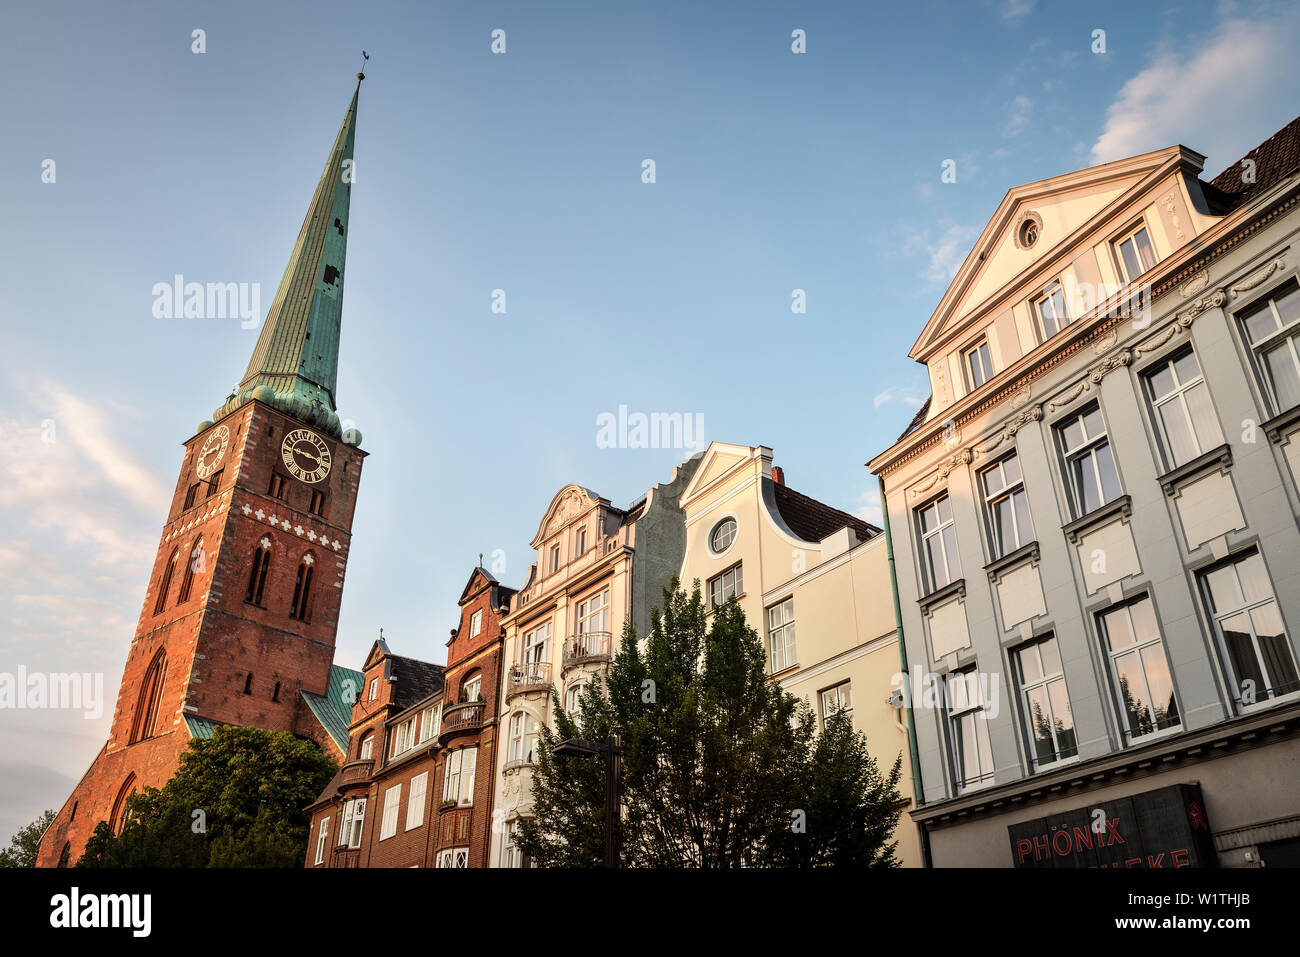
x=906, y=395
x=869, y=507
x=1013, y=11
x=1018, y=120
x=944, y=249
x=1221, y=97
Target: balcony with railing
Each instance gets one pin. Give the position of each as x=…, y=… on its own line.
x=528, y=676
x=460, y=718
x=356, y=772
x=587, y=648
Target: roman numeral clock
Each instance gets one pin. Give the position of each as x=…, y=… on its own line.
x=306, y=456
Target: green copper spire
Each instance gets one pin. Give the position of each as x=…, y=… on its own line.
x=295, y=365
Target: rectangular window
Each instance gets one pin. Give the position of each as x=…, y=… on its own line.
x=277, y=488
x=322, y=837
x=317, y=506
x=392, y=799
x=537, y=645
x=475, y=624
x=354, y=817
x=429, y=720
x=555, y=559
x=1052, y=315
x=453, y=857
x=725, y=586
x=1135, y=253
x=472, y=690
x=835, y=700
x=415, y=801
x=580, y=541
x=214, y=482
x=1048, y=720
x=191, y=494
x=1089, y=465
x=979, y=366
x=1272, y=326
x=524, y=734
x=458, y=778
x=972, y=753
x=1139, y=668
x=572, y=694
x=1006, y=506
x=939, y=543
x=1250, y=629
x=374, y=688
x=403, y=736
x=780, y=636
x=510, y=853
x=1181, y=409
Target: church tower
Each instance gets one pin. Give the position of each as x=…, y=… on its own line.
x=241, y=611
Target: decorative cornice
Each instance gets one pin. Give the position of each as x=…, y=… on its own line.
x=1258, y=276
x=1091, y=379
x=1008, y=432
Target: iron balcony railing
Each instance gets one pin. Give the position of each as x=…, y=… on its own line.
x=529, y=676
x=462, y=717
x=588, y=646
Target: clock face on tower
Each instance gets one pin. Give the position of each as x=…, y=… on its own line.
x=213, y=452
x=306, y=456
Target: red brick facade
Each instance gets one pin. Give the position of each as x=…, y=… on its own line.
x=451, y=711
x=202, y=650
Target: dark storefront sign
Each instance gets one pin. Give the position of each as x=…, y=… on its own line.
x=1164, y=828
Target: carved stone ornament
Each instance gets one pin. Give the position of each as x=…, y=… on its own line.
x=1195, y=284
x=1008, y=432
x=1258, y=277
x=941, y=472
x=1021, y=397
x=1105, y=341
x=1092, y=378
x=1184, y=321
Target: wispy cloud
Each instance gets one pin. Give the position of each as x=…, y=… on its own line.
x=869, y=507
x=1018, y=116
x=1013, y=11
x=1220, y=96
x=944, y=248
x=903, y=394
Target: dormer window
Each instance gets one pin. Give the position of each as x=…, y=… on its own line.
x=1052, y=315
x=1135, y=253
x=979, y=365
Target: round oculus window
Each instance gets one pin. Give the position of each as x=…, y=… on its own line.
x=1028, y=233
x=724, y=533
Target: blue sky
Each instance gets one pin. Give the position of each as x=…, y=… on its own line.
x=520, y=172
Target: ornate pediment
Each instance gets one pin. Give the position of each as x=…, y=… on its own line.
x=570, y=503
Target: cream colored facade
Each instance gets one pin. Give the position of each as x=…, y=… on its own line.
x=837, y=588
x=598, y=567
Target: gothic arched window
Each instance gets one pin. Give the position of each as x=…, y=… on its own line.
x=248, y=684
x=194, y=563
x=165, y=585
x=146, y=709
x=257, y=574
x=66, y=855
x=118, y=817
x=301, y=607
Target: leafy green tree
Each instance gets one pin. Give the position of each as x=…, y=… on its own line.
x=235, y=800
x=21, y=851
x=721, y=767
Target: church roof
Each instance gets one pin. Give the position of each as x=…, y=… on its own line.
x=294, y=366
x=334, y=708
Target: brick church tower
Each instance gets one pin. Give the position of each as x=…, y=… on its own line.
x=241, y=612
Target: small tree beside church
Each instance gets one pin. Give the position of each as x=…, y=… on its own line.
x=722, y=768
x=235, y=800
x=21, y=851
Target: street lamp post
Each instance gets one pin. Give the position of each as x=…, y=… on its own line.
x=613, y=751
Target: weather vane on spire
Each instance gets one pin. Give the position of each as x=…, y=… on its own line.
x=364, y=58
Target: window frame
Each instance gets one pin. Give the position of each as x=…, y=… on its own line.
x=1137, y=647
x=975, y=711
x=322, y=839
x=789, y=646
x=1045, y=681
x=1090, y=446
x=392, y=808
x=1154, y=404
x=717, y=528
x=997, y=547
x=1289, y=332
x=1245, y=610
x=1116, y=245
x=986, y=370
x=1048, y=295
x=476, y=624
x=932, y=583
x=839, y=689
x=737, y=585
x=415, y=800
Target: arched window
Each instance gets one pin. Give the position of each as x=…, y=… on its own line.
x=301, y=608
x=146, y=709
x=248, y=684
x=196, y=562
x=165, y=585
x=65, y=856
x=275, y=695
x=257, y=573
x=118, y=817
x=73, y=815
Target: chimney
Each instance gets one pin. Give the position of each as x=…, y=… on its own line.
x=778, y=476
